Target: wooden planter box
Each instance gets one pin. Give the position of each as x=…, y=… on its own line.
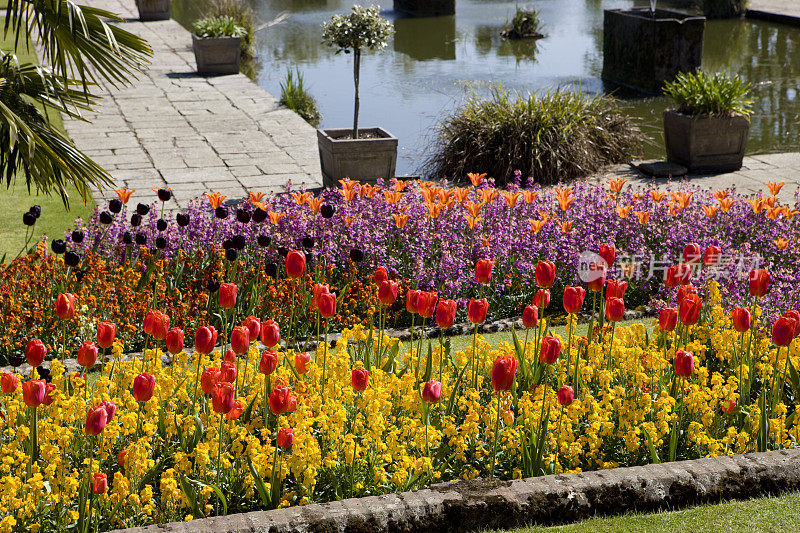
x=425, y=8
x=154, y=9
x=642, y=52
x=705, y=144
x=217, y=55
x=358, y=159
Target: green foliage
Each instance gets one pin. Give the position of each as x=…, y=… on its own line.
x=701, y=93
x=295, y=97
x=224, y=26
x=722, y=9
x=553, y=137
x=362, y=29
x=244, y=16
x=524, y=23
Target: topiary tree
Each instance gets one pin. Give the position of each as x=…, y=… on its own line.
x=362, y=29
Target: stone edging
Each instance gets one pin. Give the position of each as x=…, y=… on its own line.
x=477, y=504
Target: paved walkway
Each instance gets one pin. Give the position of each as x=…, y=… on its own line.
x=173, y=128
x=782, y=8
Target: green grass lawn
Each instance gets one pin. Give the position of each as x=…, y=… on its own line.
x=15, y=200
x=774, y=514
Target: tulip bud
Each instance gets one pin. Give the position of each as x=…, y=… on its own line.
x=615, y=309
x=279, y=400
x=530, y=316
x=327, y=305
x=741, y=319
x=65, y=306
x=541, y=299
x=387, y=292
x=759, y=282
x=426, y=304
x=175, y=339
x=35, y=352
x=87, y=354
x=668, y=318
x=545, y=274
x=227, y=372
x=359, y=378
x=483, y=271
x=573, y=299
x=503, y=372
x=205, y=339
x=712, y=255
x=8, y=382
x=783, y=331
x=302, y=361
x=728, y=406
x=609, y=254
x=209, y=379
x=121, y=456
x=143, y=386
x=796, y=317
x=412, y=300
x=227, y=295
x=236, y=411
x=33, y=392
x=222, y=397
x=99, y=483
x=253, y=326
x=565, y=395
x=268, y=362
x=295, y=264
x=380, y=275
x=689, y=309
x=106, y=332
x=240, y=340
x=616, y=289
x=476, y=310
x=270, y=333
x=549, y=350
x=431, y=392
x=96, y=420
x=684, y=363
x=285, y=438
x=691, y=253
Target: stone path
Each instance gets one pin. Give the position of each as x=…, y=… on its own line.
x=786, y=9
x=174, y=128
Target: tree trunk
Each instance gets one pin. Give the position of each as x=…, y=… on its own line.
x=356, y=68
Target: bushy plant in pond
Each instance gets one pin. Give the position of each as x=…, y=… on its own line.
x=553, y=137
x=701, y=93
x=295, y=97
x=223, y=26
x=525, y=24
x=720, y=9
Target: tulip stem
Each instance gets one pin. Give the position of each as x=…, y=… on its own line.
x=197, y=378
x=324, y=359
x=139, y=420
x=427, y=422
x=475, y=359
x=496, y=431
x=569, y=343
x=610, y=347
x=441, y=353
x=219, y=447
x=380, y=336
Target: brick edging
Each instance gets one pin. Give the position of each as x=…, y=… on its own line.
x=476, y=504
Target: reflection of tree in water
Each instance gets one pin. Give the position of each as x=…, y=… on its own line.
x=487, y=38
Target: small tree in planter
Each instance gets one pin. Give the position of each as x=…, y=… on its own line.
x=707, y=132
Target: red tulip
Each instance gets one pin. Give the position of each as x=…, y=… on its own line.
x=412, y=298
x=295, y=264
x=230, y=356
x=668, y=318
x=327, y=304
x=616, y=289
x=143, y=386
x=49, y=389
x=783, y=331
x=106, y=332
x=689, y=309
x=728, y=406
x=205, y=339
x=96, y=420
x=759, y=282
x=380, y=275
x=156, y=324
x=319, y=289
x=33, y=392
x=227, y=295
x=609, y=254
x=573, y=299
x=111, y=409
x=597, y=277
x=240, y=340
x=503, y=372
x=302, y=361
x=175, y=339
x=565, y=395
x=268, y=363
x=8, y=382
x=680, y=274
x=279, y=400
x=446, y=313
x=431, y=392
x=541, y=299
x=549, y=350
x=209, y=379
x=87, y=354
x=285, y=438
x=359, y=378
x=253, y=326
x=615, y=309
x=476, y=310
x=236, y=411
x=227, y=372
x=684, y=291
x=65, y=306
x=99, y=483
x=545, y=274
x=796, y=317
x=121, y=457
x=692, y=253
x=483, y=271
x=684, y=363
x=426, y=304
x=35, y=352
x=530, y=316
x=270, y=333
x=387, y=292
x=741, y=319
x=222, y=397
x=712, y=257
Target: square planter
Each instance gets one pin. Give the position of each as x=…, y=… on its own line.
x=358, y=159
x=705, y=144
x=425, y=8
x=642, y=52
x=217, y=55
x=154, y=9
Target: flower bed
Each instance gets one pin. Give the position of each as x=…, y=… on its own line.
x=262, y=424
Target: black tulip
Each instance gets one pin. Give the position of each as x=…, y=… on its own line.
x=221, y=212
x=327, y=211
x=115, y=205
x=264, y=240
x=16, y=359
x=283, y=251
x=29, y=219
x=77, y=236
x=161, y=224
x=79, y=275
x=136, y=219
x=231, y=254
x=271, y=270
x=259, y=215
x=356, y=255
x=182, y=220
x=164, y=195
x=243, y=216
x=142, y=209
x=161, y=242
x=212, y=286
x=308, y=243
x=227, y=244
x=58, y=246
x=141, y=239
x=72, y=259
x=36, y=210
x=106, y=217
x=239, y=242
x=44, y=373
x=127, y=238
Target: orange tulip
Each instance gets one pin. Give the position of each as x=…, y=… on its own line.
x=725, y=204
x=471, y=221
x=643, y=216
x=564, y=197
x=274, y=217
x=720, y=195
x=488, y=195
x=537, y=225
x=781, y=243
x=566, y=226
x=8, y=382
x=99, y=483
x=681, y=198
x=369, y=190
x=255, y=197
x=757, y=204
x=315, y=204
x=124, y=195
x=475, y=178
x=392, y=197
x=511, y=198
x=302, y=362
x=529, y=196
x=657, y=196
x=616, y=185
x=774, y=212
x=775, y=188
x=474, y=208
x=434, y=211
x=215, y=199
x=623, y=212
x=461, y=194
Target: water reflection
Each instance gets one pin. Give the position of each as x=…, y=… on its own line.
x=426, y=38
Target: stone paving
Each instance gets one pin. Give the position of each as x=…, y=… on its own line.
x=174, y=128
x=788, y=8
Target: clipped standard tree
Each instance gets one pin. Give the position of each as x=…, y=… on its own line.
x=371, y=153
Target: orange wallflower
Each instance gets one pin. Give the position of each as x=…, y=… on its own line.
x=488, y=195
x=643, y=216
x=461, y=194
x=537, y=225
x=781, y=243
x=315, y=204
x=566, y=226
x=275, y=217
x=711, y=210
x=400, y=221
x=301, y=197
x=725, y=203
x=775, y=188
x=529, y=196
x=255, y=197
x=124, y=194
x=616, y=185
x=564, y=198
x=475, y=178
x=471, y=220
x=511, y=198
x=215, y=198
x=657, y=196
x=623, y=212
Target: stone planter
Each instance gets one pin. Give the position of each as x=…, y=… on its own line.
x=217, y=55
x=425, y=8
x=705, y=144
x=154, y=9
x=642, y=52
x=359, y=159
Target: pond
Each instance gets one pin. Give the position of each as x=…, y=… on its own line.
x=432, y=64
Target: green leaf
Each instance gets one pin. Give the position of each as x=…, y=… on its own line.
x=248, y=412
x=428, y=365
x=653, y=453
x=261, y=487
x=188, y=490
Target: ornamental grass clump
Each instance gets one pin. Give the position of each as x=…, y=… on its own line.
x=242, y=13
x=553, y=137
x=295, y=97
x=703, y=94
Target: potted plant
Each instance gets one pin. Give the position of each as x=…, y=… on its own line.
x=154, y=9
x=645, y=47
x=369, y=153
x=707, y=131
x=425, y=8
x=217, y=43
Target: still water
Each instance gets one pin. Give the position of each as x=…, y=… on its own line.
x=432, y=64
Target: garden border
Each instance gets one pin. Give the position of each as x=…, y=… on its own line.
x=476, y=504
